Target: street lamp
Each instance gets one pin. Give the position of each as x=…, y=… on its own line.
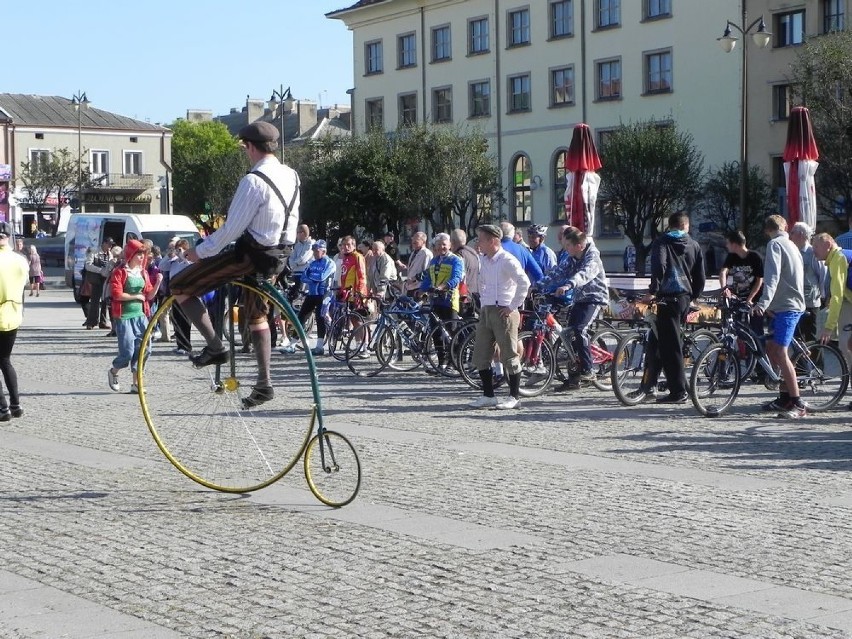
x=728, y=42
x=285, y=99
x=80, y=103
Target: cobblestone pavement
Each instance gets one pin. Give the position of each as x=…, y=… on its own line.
x=572, y=517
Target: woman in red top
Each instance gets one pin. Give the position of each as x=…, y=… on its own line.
x=353, y=271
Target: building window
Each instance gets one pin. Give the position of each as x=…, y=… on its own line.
x=477, y=36
x=521, y=180
x=375, y=114
x=441, y=46
x=561, y=18
x=480, y=99
x=789, y=28
x=100, y=164
x=609, y=80
x=519, y=27
x=407, y=45
x=658, y=9
x=559, y=173
x=608, y=216
x=781, y=101
x=133, y=163
x=658, y=72
x=442, y=105
x=519, y=93
x=39, y=158
x=562, y=86
x=832, y=15
x=603, y=136
x=373, y=59
x=408, y=109
x=608, y=13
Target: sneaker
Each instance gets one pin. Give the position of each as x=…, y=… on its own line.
x=508, y=404
x=134, y=389
x=673, y=398
x=259, y=395
x=157, y=334
x=112, y=380
x=181, y=351
x=588, y=376
x=318, y=351
x=774, y=406
x=16, y=411
x=287, y=350
x=5, y=416
x=639, y=395
x=208, y=357
x=483, y=402
x=793, y=412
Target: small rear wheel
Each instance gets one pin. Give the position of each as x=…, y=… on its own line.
x=332, y=468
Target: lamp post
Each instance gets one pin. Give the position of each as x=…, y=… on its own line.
x=285, y=99
x=80, y=103
x=728, y=42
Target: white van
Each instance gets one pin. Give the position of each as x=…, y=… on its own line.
x=88, y=230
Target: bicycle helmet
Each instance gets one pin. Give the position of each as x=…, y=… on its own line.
x=537, y=229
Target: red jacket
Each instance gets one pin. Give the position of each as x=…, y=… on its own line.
x=116, y=287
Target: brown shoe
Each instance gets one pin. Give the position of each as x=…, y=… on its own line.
x=104, y=326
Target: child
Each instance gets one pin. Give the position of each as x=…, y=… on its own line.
x=131, y=291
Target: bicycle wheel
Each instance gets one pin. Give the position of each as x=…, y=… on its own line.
x=466, y=369
x=437, y=351
x=603, y=345
x=332, y=468
x=715, y=381
x=339, y=332
x=822, y=375
x=537, y=364
x=628, y=367
x=197, y=418
x=467, y=327
x=367, y=349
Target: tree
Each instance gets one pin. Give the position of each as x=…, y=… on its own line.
x=649, y=171
x=721, y=200
x=208, y=165
x=57, y=176
x=821, y=79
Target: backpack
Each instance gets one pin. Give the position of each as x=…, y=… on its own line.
x=848, y=255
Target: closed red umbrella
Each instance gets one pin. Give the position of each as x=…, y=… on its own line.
x=800, y=165
x=581, y=180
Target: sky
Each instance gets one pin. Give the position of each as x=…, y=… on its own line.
x=155, y=59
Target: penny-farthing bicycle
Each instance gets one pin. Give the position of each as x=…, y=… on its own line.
x=198, y=421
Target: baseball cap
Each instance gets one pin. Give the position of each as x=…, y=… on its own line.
x=320, y=244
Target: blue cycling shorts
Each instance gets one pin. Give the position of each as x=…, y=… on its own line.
x=784, y=326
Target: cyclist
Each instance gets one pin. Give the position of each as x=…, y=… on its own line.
x=544, y=255
x=583, y=274
x=317, y=277
x=264, y=225
x=299, y=259
x=442, y=278
x=741, y=275
x=784, y=297
x=520, y=252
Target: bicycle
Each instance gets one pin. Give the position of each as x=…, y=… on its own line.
x=197, y=419
x=821, y=371
x=628, y=368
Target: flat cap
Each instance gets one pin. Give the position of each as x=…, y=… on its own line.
x=258, y=132
x=491, y=229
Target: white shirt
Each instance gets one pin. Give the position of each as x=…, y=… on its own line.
x=258, y=209
x=502, y=281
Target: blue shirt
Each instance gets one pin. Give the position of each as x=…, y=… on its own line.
x=545, y=257
x=525, y=257
x=844, y=240
x=318, y=274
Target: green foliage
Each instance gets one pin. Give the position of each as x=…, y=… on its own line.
x=208, y=164
x=377, y=181
x=56, y=177
x=649, y=171
x=822, y=81
x=721, y=200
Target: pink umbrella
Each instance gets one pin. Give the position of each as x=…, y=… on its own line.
x=800, y=165
x=581, y=180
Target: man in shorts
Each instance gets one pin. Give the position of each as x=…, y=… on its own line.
x=262, y=218
x=784, y=298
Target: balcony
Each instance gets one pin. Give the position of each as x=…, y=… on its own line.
x=120, y=182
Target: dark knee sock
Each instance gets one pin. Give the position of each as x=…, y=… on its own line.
x=196, y=312
x=487, y=377
x=262, y=343
x=515, y=385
